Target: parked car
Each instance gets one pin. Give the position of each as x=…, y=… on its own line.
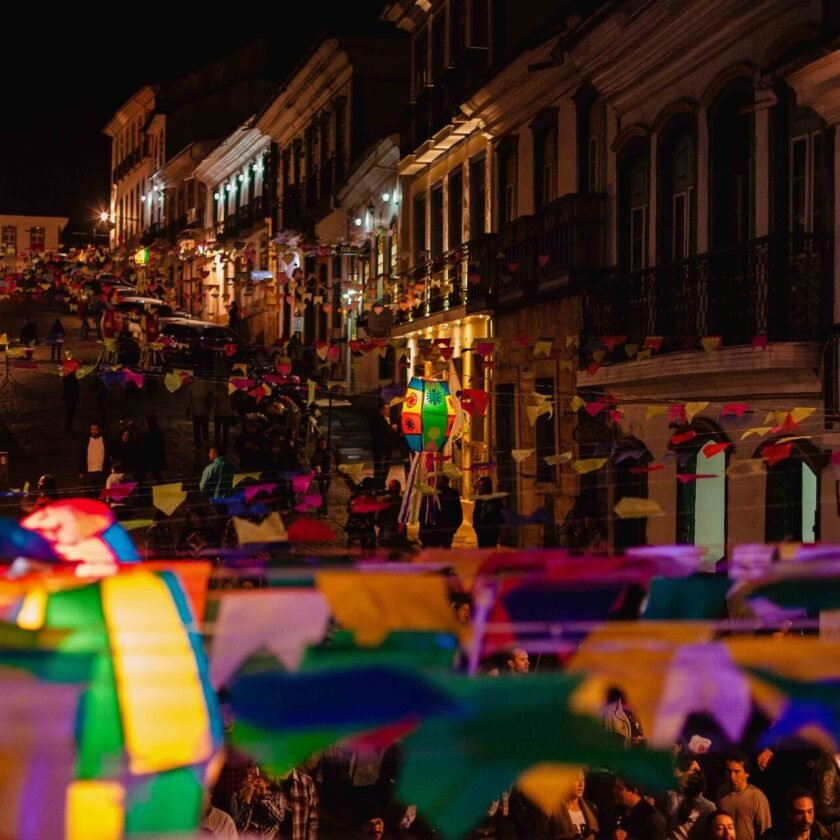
x=197, y=342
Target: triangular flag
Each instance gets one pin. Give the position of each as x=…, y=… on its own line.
x=741, y=469
x=167, y=498
x=652, y=342
x=270, y=530
x=685, y=437
x=554, y=460
x=239, y=477
x=800, y=413
x=738, y=409
x=283, y=622
x=686, y=478
x=694, y=408
x=631, y=350
x=712, y=449
x=588, y=465
x=543, y=348
x=711, y=342
x=172, y=382
x=599, y=355
x=655, y=410
x=774, y=453
x=578, y=403
x=633, y=508
x=593, y=409
x=520, y=455
x=759, y=431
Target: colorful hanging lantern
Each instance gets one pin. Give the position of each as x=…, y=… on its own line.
x=427, y=415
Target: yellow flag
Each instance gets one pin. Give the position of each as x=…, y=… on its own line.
x=351, y=469
x=631, y=350
x=566, y=364
x=759, y=431
x=799, y=414
x=710, y=343
x=589, y=465
x=577, y=403
x=373, y=605
x=599, y=355
x=572, y=339
x=743, y=469
x=270, y=530
x=634, y=508
x=452, y=470
x=94, y=809
x=549, y=785
x=694, y=408
x=654, y=410
x=520, y=455
x=542, y=348
x=644, y=354
x=240, y=477
x=563, y=458
x=168, y=497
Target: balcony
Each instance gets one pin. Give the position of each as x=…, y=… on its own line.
x=231, y=227
x=775, y=286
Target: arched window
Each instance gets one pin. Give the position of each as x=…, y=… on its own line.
x=507, y=166
x=633, y=204
x=791, y=503
x=731, y=164
x=701, y=502
x=677, y=190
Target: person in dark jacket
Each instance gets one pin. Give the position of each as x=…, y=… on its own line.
x=383, y=438
x=323, y=462
x=154, y=451
x=55, y=339
x=800, y=822
x=487, y=515
x=637, y=818
x=825, y=781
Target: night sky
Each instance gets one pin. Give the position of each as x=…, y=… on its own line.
x=64, y=83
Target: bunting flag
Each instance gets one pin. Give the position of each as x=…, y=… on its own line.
x=711, y=343
x=645, y=470
x=692, y=409
x=652, y=342
x=712, y=449
x=676, y=414
x=281, y=621
x=543, y=347
x=542, y=409
x=374, y=604
x=744, y=469
x=167, y=498
x=475, y=401
x=520, y=455
x=736, y=409
x=588, y=465
x=655, y=410
x=687, y=478
x=562, y=458
x=772, y=454
x=269, y=531
x=593, y=409
x=577, y=403
x=456, y=764
x=759, y=342
x=685, y=437
x=759, y=431
x=635, y=508
x=315, y=709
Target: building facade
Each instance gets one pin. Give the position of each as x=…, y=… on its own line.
x=24, y=237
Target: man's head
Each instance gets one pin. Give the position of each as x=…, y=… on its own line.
x=722, y=826
x=374, y=828
x=799, y=811
x=737, y=771
x=212, y=453
x=626, y=793
x=517, y=661
x=95, y=430
x=442, y=482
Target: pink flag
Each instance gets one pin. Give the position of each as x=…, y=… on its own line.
x=676, y=414
x=254, y=490
x=593, y=409
x=738, y=409
x=300, y=483
x=131, y=376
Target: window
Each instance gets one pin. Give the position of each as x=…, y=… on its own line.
x=507, y=180
x=436, y=239
x=456, y=208
x=807, y=186
x=36, y=239
x=478, y=206
x=593, y=181
x=638, y=238
x=682, y=209
x=632, y=217
x=340, y=137
x=545, y=437
x=10, y=237
x=544, y=130
x=701, y=506
x=421, y=62
x=791, y=501
x=419, y=229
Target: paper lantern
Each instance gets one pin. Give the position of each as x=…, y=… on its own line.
x=427, y=415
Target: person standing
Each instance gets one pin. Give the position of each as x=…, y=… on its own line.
x=94, y=460
x=382, y=441
x=487, y=515
x=223, y=416
x=154, y=450
x=55, y=338
x=323, y=462
x=451, y=511
x=70, y=398
x=638, y=819
x=233, y=316
x=748, y=805
x=199, y=407
x=217, y=478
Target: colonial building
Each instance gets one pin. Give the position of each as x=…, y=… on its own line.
x=490, y=233
x=158, y=123
x=328, y=124
x=237, y=208
x=22, y=237
x=710, y=128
